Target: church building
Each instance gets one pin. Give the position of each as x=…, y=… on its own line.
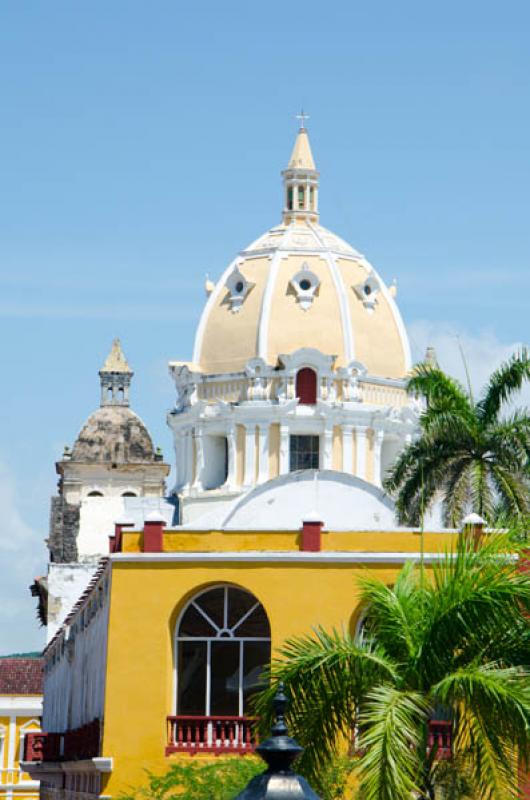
x=162, y=606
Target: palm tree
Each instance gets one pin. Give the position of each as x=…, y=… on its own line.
x=471, y=452
x=453, y=644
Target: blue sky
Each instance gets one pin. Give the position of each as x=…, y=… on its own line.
x=141, y=146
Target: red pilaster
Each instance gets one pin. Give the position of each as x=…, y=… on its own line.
x=115, y=542
x=312, y=536
x=154, y=534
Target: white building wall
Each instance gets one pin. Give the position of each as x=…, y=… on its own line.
x=66, y=583
x=74, y=676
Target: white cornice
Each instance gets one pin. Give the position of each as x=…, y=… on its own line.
x=294, y=557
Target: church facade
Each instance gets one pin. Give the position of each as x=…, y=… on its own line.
x=285, y=421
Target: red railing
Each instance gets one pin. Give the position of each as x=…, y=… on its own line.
x=216, y=734
x=73, y=745
x=42, y=746
x=440, y=736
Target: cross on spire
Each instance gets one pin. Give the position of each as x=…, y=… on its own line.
x=302, y=117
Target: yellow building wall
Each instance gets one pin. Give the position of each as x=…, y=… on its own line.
x=140, y=688
x=11, y=779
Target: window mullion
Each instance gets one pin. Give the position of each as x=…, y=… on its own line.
x=241, y=666
x=208, y=677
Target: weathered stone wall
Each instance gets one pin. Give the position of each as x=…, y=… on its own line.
x=64, y=528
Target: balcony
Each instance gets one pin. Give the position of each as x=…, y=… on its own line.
x=440, y=736
x=190, y=734
x=73, y=745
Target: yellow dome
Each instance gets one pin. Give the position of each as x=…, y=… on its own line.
x=299, y=285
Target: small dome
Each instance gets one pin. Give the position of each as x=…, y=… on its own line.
x=113, y=434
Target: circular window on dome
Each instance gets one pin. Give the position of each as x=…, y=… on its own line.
x=304, y=285
x=238, y=288
x=368, y=290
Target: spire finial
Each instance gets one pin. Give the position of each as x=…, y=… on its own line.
x=302, y=117
x=300, y=179
x=115, y=377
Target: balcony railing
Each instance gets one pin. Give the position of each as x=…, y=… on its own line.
x=14, y=777
x=440, y=736
x=191, y=734
x=79, y=743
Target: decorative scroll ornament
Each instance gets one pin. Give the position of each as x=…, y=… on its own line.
x=367, y=291
x=238, y=288
x=305, y=285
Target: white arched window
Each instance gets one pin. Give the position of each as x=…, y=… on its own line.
x=222, y=646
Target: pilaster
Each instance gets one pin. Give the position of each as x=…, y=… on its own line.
x=250, y=453
x=361, y=432
x=284, y=449
x=263, y=451
x=379, y=436
x=327, y=449
x=232, y=456
x=199, y=458
x=347, y=449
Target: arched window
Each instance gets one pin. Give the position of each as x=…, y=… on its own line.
x=222, y=645
x=301, y=195
x=95, y=494
x=129, y=494
x=215, y=469
x=306, y=386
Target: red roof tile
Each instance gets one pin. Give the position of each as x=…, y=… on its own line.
x=20, y=675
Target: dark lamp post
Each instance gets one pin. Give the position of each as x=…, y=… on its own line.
x=278, y=782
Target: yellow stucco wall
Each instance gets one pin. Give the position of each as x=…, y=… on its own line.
x=388, y=358
x=190, y=541
x=140, y=670
x=290, y=326
x=11, y=780
x=230, y=339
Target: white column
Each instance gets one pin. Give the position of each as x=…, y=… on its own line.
x=11, y=739
x=263, y=450
x=360, y=450
x=284, y=449
x=326, y=456
x=347, y=449
x=307, y=196
x=250, y=452
x=378, y=444
x=315, y=199
x=231, y=442
x=188, y=456
x=199, y=457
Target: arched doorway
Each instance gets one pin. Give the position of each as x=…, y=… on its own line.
x=306, y=386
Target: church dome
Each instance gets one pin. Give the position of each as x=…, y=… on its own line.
x=114, y=434
x=301, y=286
